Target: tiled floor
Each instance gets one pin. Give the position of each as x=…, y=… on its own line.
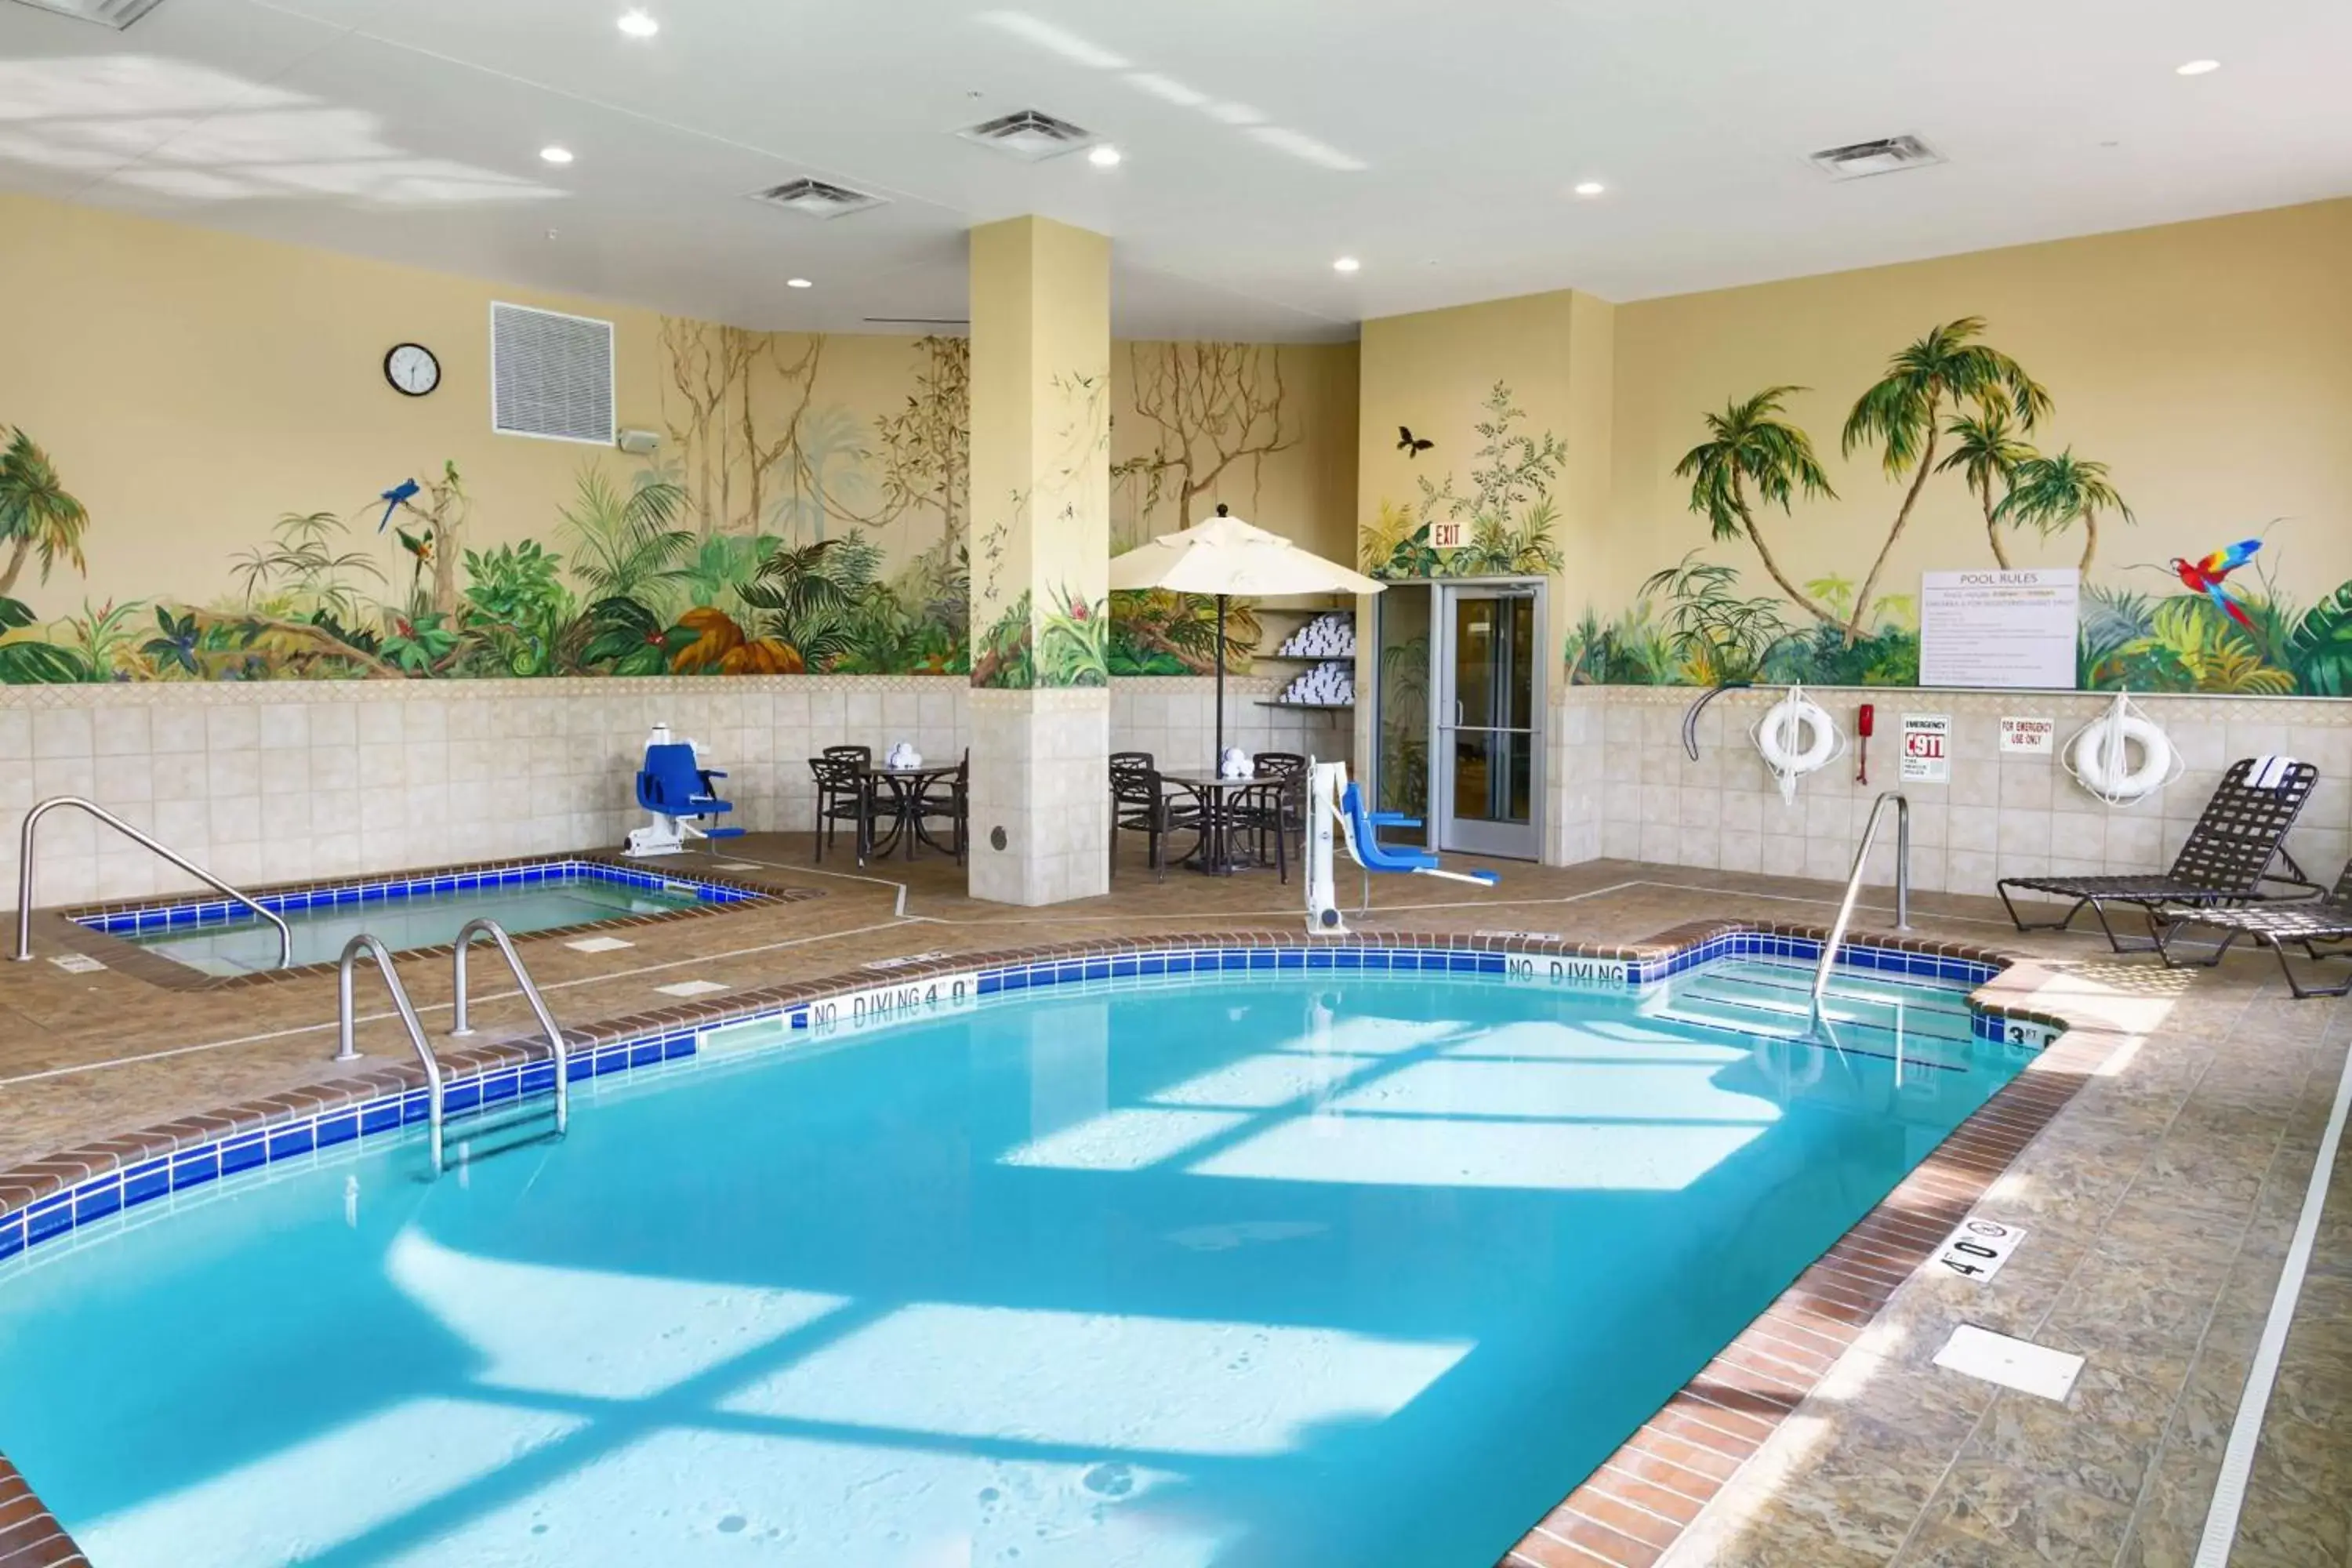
x=2158, y=1202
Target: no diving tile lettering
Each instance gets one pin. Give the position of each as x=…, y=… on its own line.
x=1525, y=969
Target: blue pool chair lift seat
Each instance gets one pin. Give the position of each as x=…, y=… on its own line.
x=682, y=796
x=1336, y=802
x=1364, y=839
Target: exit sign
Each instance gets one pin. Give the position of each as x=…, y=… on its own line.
x=1446, y=536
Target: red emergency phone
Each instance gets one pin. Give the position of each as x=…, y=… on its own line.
x=1862, y=721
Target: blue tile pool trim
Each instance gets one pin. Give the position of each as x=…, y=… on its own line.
x=142, y=1181
x=197, y=914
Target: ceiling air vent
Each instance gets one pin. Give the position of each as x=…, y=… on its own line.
x=1863, y=159
x=115, y=14
x=1031, y=135
x=814, y=198
x=550, y=375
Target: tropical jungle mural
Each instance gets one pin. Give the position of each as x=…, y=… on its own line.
x=1950, y=409
x=1509, y=514
x=1203, y=418
x=778, y=530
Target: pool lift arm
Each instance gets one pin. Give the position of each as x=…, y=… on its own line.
x=1335, y=808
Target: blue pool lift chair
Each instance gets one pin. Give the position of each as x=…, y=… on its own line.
x=682, y=797
x=1364, y=838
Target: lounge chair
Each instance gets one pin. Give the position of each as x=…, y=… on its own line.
x=2327, y=919
x=2227, y=856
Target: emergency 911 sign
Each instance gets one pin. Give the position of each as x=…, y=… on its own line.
x=1926, y=748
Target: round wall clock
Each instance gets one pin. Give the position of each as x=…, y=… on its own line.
x=412, y=369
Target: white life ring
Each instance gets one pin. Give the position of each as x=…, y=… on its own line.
x=1775, y=735
x=2088, y=758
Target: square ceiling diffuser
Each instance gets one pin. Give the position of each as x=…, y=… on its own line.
x=1030, y=135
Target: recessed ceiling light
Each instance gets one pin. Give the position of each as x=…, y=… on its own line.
x=1104, y=157
x=1591, y=188
x=1346, y=264
x=2197, y=67
x=798, y=283
x=638, y=24
x=556, y=154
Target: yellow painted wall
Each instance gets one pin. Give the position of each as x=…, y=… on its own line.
x=193, y=386
x=1432, y=373
x=1268, y=429
x=2209, y=365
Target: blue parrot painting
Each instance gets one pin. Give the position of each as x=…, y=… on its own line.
x=392, y=498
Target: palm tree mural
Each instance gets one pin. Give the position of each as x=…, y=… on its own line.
x=1900, y=413
x=2053, y=494
x=1751, y=445
x=37, y=515
x=1987, y=452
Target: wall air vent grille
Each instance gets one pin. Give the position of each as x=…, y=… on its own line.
x=115, y=14
x=1885, y=156
x=1030, y=135
x=815, y=198
x=550, y=375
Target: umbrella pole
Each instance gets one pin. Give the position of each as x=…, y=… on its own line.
x=1220, y=763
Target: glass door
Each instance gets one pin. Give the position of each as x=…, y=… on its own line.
x=1488, y=746
x=1400, y=708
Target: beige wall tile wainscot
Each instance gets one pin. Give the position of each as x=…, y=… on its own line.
x=287, y=783
x=1998, y=816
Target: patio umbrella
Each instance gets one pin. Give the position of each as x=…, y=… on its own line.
x=1224, y=556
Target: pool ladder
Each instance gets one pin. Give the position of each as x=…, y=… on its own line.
x=436, y=1082
x=1853, y=888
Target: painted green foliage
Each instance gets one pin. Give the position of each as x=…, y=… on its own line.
x=719, y=563
x=1154, y=632
x=1509, y=513
x=1949, y=403
x=637, y=597
x=1067, y=644
x=753, y=547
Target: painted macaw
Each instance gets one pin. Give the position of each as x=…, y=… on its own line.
x=2206, y=576
x=392, y=498
x=420, y=546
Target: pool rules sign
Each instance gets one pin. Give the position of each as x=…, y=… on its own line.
x=1926, y=748
x=2010, y=630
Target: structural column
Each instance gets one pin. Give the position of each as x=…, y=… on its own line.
x=1040, y=554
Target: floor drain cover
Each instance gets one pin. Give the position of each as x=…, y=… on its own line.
x=2013, y=1363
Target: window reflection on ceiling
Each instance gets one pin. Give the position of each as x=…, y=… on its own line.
x=193, y=134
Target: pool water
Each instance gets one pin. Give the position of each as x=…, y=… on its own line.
x=1262, y=1271
x=569, y=898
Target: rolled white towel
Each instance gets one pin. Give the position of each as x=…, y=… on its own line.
x=2270, y=773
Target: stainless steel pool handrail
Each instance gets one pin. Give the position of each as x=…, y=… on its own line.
x=437, y=1100
x=24, y=873
x=1853, y=888
x=474, y=931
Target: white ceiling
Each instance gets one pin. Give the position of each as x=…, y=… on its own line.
x=1436, y=143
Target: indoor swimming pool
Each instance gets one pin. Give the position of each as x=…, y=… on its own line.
x=1160, y=1271
x=218, y=937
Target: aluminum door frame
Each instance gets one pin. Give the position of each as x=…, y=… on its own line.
x=1505, y=841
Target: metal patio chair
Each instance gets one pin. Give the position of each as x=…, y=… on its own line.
x=1142, y=802
x=843, y=794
